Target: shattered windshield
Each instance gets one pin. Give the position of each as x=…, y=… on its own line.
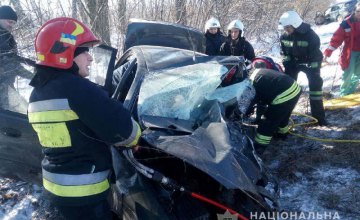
x=178, y=92
x=174, y=93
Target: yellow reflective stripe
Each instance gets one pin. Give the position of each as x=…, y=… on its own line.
x=138, y=134
x=76, y=191
x=287, y=43
x=287, y=95
x=283, y=130
x=284, y=94
x=286, y=58
x=262, y=139
x=53, y=134
x=52, y=116
x=303, y=43
x=291, y=96
x=314, y=64
x=316, y=93
x=134, y=136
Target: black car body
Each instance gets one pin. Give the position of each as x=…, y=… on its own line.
x=184, y=102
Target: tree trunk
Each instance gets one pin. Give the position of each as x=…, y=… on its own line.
x=180, y=7
x=74, y=9
x=98, y=14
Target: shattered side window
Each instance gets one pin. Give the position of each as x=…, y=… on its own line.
x=174, y=93
x=100, y=64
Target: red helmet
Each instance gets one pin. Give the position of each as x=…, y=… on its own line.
x=57, y=40
x=266, y=62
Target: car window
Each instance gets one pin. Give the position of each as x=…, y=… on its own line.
x=103, y=63
x=335, y=8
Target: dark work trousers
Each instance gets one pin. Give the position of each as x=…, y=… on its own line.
x=315, y=87
x=97, y=211
x=275, y=118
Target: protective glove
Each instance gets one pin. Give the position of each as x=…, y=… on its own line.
x=328, y=52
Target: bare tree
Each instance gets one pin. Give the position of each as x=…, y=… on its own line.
x=260, y=17
x=97, y=13
x=180, y=7
x=73, y=9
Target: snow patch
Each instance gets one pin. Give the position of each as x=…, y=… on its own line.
x=331, y=181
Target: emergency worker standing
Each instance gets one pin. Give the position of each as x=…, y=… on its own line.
x=10, y=63
x=214, y=37
x=75, y=121
x=235, y=44
x=349, y=33
x=300, y=47
x=280, y=93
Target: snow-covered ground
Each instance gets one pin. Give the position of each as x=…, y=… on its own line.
x=314, y=176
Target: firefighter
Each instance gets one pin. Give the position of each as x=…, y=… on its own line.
x=214, y=37
x=235, y=44
x=349, y=33
x=280, y=93
x=75, y=121
x=10, y=63
x=300, y=47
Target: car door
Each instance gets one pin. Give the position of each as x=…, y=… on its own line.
x=20, y=151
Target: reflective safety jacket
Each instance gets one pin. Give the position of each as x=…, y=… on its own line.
x=273, y=87
x=301, y=47
x=76, y=121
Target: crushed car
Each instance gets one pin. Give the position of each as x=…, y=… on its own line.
x=196, y=158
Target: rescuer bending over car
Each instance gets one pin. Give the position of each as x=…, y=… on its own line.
x=280, y=93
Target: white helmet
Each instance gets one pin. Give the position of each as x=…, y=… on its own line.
x=290, y=18
x=236, y=24
x=212, y=23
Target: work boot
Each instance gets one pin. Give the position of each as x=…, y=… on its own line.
x=317, y=111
